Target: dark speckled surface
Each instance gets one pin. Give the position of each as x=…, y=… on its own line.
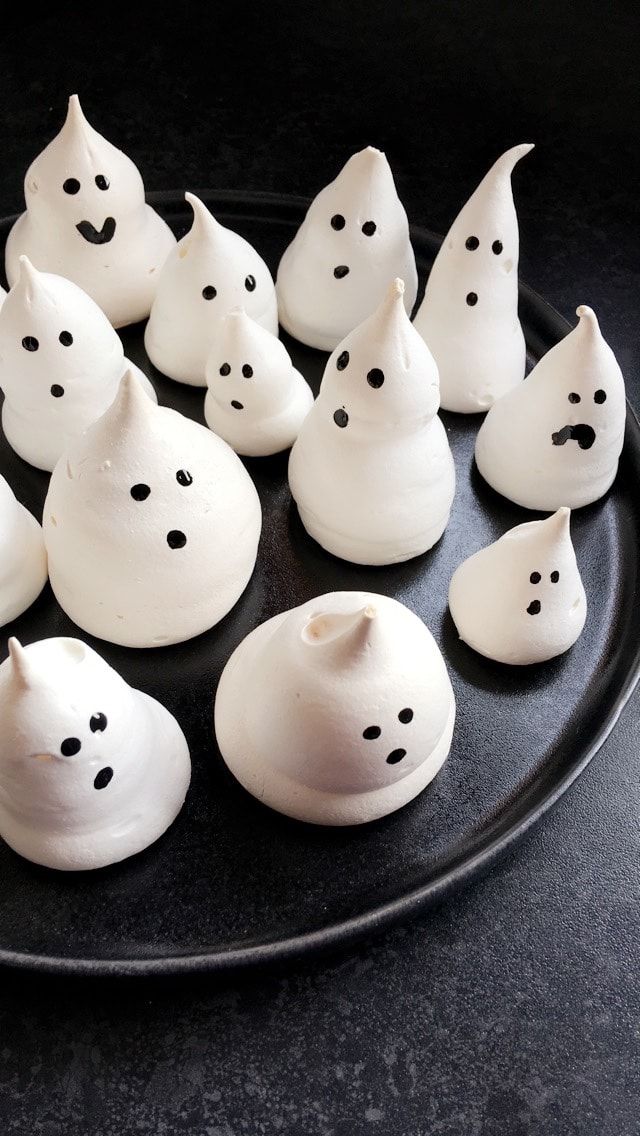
x=514, y=1008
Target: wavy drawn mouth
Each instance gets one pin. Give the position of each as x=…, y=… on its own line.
x=97, y=236
x=584, y=435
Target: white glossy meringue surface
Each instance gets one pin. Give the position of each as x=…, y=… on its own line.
x=91, y=771
x=151, y=525
x=469, y=314
x=521, y=599
x=23, y=560
x=556, y=439
x=256, y=400
x=337, y=712
x=352, y=242
x=86, y=219
x=61, y=364
x=211, y=271
x=371, y=471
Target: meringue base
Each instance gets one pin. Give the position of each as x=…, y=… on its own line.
x=266, y=436
x=348, y=547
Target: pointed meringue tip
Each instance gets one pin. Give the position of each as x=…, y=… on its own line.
x=201, y=215
x=507, y=162
x=346, y=630
x=369, y=612
x=396, y=289
x=588, y=317
x=558, y=522
x=18, y=657
x=75, y=113
x=131, y=397
x=28, y=273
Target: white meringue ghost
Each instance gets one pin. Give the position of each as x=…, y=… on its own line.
x=352, y=242
x=23, y=560
x=151, y=525
x=91, y=770
x=337, y=712
x=61, y=364
x=256, y=399
x=521, y=599
x=86, y=219
x=469, y=314
x=371, y=471
x=556, y=439
x=3, y=295
x=211, y=271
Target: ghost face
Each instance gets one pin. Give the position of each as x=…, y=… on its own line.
x=481, y=254
x=375, y=388
x=249, y=369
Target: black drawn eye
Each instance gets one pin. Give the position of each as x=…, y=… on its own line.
x=340, y=271
x=247, y=370
x=338, y=222
x=555, y=576
x=70, y=747
x=66, y=338
x=209, y=292
x=369, y=228
x=497, y=247
x=225, y=369
x=30, y=343
x=341, y=418
x=343, y=361
x=472, y=243
x=371, y=733
x=600, y=396
x=375, y=378
x=250, y=283
x=573, y=397
x=535, y=577
x=71, y=185
x=140, y=492
x=98, y=723
x=102, y=182
x=57, y=391
x=184, y=478
x=405, y=716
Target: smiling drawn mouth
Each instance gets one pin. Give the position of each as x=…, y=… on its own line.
x=584, y=435
x=97, y=236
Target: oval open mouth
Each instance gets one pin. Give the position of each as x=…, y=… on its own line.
x=97, y=236
x=584, y=435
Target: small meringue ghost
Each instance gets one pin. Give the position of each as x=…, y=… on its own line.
x=352, y=242
x=211, y=271
x=86, y=219
x=371, y=471
x=556, y=439
x=469, y=314
x=151, y=525
x=256, y=399
x=61, y=364
x=23, y=560
x=521, y=599
x=91, y=770
x=337, y=712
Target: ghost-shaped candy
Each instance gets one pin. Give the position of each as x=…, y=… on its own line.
x=256, y=400
x=371, y=471
x=23, y=560
x=521, y=599
x=352, y=242
x=469, y=314
x=151, y=525
x=337, y=712
x=556, y=439
x=61, y=364
x=86, y=219
x=212, y=271
x=91, y=770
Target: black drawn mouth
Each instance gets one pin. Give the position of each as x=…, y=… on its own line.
x=584, y=435
x=97, y=236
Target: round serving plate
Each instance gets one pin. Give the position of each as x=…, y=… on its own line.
x=233, y=884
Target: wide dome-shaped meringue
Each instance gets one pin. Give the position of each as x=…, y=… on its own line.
x=469, y=314
x=151, y=525
x=91, y=771
x=61, y=364
x=211, y=271
x=521, y=599
x=371, y=471
x=556, y=439
x=23, y=560
x=256, y=400
x=337, y=712
x=86, y=219
x=352, y=242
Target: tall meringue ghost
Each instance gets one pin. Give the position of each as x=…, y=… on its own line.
x=151, y=525
x=337, y=712
x=256, y=400
x=469, y=314
x=371, y=471
x=61, y=364
x=352, y=242
x=86, y=219
x=211, y=271
x=521, y=599
x=23, y=560
x=556, y=439
x=91, y=771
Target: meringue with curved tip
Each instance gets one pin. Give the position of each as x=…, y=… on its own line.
x=212, y=271
x=371, y=471
x=337, y=712
x=87, y=219
x=61, y=364
x=521, y=599
x=256, y=399
x=151, y=525
x=469, y=314
x=352, y=242
x=23, y=560
x=556, y=439
x=91, y=770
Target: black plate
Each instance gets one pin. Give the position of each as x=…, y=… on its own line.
x=234, y=884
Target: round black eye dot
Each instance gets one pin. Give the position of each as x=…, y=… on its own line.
x=535, y=577
x=395, y=756
x=497, y=247
x=66, y=338
x=337, y=221
x=102, y=182
x=600, y=396
x=472, y=243
x=225, y=369
x=30, y=343
x=71, y=185
x=534, y=607
x=555, y=576
x=209, y=292
x=371, y=733
x=247, y=370
x=369, y=228
x=70, y=747
x=98, y=723
x=472, y=299
x=573, y=397
x=341, y=418
x=57, y=391
x=176, y=539
x=250, y=283
x=375, y=378
x=184, y=478
x=237, y=405
x=140, y=492
x=340, y=271
x=405, y=715
x=343, y=361
x=103, y=778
